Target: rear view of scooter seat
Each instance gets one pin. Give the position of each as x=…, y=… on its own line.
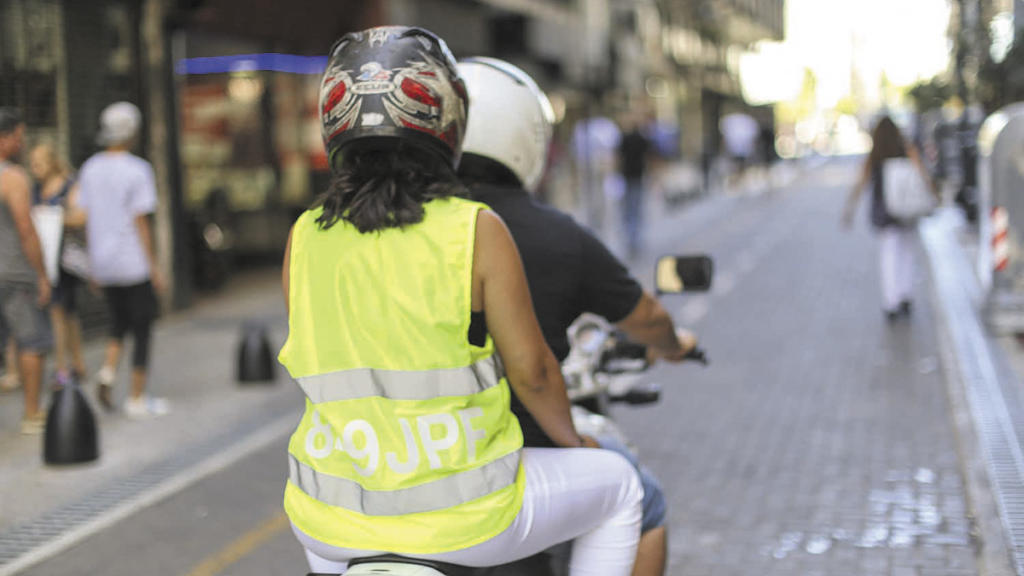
x=392, y=569
x=391, y=565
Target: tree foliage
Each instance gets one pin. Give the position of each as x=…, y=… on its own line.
x=1002, y=83
x=929, y=94
x=804, y=105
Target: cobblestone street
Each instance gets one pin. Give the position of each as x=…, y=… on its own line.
x=818, y=442
x=820, y=439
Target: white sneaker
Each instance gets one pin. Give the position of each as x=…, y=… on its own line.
x=9, y=382
x=146, y=407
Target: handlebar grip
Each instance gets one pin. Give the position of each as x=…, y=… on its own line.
x=627, y=349
x=697, y=354
x=624, y=356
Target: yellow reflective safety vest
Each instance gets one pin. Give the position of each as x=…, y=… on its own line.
x=407, y=444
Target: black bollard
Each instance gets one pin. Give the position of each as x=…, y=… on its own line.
x=71, y=436
x=255, y=361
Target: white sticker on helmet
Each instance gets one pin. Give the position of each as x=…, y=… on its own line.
x=373, y=119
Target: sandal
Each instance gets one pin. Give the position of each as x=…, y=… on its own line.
x=34, y=425
x=9, y=383
x=105, y=388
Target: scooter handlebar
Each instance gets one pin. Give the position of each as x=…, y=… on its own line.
x=635, y=356
x=697, y=354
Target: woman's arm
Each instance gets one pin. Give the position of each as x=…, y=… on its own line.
x=145, y=232
x=286, y=268
x=858, y=188
x=532, y=370
x=74, y=215
x=915, y=157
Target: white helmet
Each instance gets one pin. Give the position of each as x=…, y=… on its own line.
x=510, y=118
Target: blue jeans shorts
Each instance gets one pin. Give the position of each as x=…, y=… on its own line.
x=22, y=319
x=655, y=507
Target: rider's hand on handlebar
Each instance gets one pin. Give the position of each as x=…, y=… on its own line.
x=687, y=342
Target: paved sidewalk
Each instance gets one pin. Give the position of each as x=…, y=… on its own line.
x=193, y=365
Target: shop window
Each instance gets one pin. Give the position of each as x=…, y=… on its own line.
x=102, y=66
x=29, y=46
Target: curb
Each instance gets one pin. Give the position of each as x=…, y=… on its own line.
x=985, y=438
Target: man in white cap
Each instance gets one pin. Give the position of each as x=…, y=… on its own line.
x=117, y=192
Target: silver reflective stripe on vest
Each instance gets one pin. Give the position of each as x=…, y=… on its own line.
x=402, y=384
x=437, y=495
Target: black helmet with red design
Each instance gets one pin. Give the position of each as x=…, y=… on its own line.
x=393, y=84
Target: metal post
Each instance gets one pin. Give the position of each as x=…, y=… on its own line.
x=163, y=149
x=966, y=195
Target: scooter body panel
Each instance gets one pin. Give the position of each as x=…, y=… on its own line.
x=392, y=569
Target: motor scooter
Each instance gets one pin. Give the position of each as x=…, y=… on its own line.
x=603, y=368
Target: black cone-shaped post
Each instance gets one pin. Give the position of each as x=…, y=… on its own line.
x=255, y=362
x=71, y=435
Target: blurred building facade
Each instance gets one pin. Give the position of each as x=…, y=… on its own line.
x=705, y=40
x=228, y=88
x=53, y=67
x=60, y=64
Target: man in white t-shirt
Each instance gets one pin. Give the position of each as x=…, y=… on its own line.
x=117, y=193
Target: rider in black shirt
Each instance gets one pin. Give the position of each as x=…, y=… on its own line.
x=568, y=270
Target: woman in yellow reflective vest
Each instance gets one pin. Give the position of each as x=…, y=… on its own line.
x=409, y=318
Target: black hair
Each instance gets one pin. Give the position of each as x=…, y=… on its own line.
x=384, y=186
x=886, y=142
x=10, y=119
x=474, y=169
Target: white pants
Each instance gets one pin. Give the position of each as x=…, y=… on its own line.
x=592, y=496
x=896, y=259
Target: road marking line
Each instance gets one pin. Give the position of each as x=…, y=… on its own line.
x=241, y=547
x=273, y=431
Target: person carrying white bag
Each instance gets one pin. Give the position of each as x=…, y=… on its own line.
x=902, y=193
x=53, y=191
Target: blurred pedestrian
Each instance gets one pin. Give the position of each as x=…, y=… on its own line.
x=766, y=146
x=634, y=150
x=10, y=381
x=24, y=286
x=53, y=182
x=740, y=133
x=664, y=137
x=595, y=141
x=896, y=254
x=117, y=192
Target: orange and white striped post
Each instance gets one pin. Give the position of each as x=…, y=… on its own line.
x=1000, y=233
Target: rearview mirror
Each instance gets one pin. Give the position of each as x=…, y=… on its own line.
x=676, y=274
